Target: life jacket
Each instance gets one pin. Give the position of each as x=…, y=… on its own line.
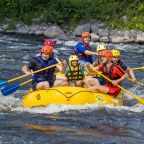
x=98, y=60
x=108, y=72
x=46, y=75
x=120, y=63
x=74, y=73
x=80, y=54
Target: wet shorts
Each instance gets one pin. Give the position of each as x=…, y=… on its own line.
x=113, y=90
x=34, y=84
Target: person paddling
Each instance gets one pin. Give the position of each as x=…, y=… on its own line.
x=99, y=50
x=116, y=59
x=74, y=72
x=44, y=79
x=49, y=42
x=83, y=50
x=115, y=73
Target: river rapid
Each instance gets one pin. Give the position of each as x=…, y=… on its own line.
x=67, y=124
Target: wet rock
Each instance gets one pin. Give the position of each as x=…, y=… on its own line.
x=103, y=32
x=140, y=37
x=55, y=32
x=81, y=28
x=117, y=39
x=23, y=30
x=128, y=36
x=99, y=31
x=4, y=27
x=94, y=37
x=116, y=36
x=104, y=39
x=94, y=29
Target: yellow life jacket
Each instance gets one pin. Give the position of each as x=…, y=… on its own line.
x=74, y=73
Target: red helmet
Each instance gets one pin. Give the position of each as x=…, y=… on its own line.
x=85, y=34
x=47, y=49
x=48, y=42
x=107, y=53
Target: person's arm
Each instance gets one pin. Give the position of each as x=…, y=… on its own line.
x=119, y=71
x=131, y=73
x=26, y=70
x=81, y=48
x=90, y=52
x=120, y=79
x=90, y=70
x=62, y=67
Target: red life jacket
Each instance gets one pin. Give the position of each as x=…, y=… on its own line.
x=108, y=72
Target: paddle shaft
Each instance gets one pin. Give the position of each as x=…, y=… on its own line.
x=133, y=81
x=130, y=93
x=25, y=82
x=141, y=84
x=140, y=68
x=33, y=72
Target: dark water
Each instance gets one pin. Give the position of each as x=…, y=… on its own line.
x=88, y=124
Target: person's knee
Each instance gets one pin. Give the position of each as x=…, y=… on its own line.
x=47, y=85
x=86, y=80
x=79, y=83
x=42, y=85
x=60, y=83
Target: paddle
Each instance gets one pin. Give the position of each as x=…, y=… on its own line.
x=140, y=68
x=3, y=82
x=130, y=93
x=11, y=89
x=139, y=83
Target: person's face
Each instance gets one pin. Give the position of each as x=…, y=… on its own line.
x=45, y=56
x=103, y=59
x=115, y=59
x=74, y=63
x=100, y=52
x=87, y=39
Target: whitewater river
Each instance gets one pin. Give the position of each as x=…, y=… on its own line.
x=62, y=124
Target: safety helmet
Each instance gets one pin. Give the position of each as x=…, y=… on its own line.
x=73, y=58
x=101, y=47
x=85, y=34
x=107, y=53
x=47, y=49
x=49, y=42
x=116, y=53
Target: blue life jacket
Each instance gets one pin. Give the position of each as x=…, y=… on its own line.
x=79, y=51
x=46, y=75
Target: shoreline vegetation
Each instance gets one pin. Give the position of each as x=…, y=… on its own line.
x=108, y=21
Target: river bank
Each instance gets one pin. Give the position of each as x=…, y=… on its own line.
x=100, y=32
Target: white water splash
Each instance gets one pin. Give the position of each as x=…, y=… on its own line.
x=53, y=108
x=70, y=43
x=10, y=103
x=7, y=103
x=136, y=108
x=14, y=104
x=137, y=90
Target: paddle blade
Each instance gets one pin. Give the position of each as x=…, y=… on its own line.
x=2, y=82
x=9, y=89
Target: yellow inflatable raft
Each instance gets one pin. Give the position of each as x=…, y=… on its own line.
x=68, y=95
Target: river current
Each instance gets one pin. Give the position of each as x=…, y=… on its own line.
x=67, y=124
